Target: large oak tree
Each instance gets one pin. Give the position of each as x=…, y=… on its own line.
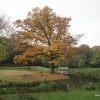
x=43, y=35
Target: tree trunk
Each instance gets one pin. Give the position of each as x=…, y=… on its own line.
x=29, y=64
x=52, y=68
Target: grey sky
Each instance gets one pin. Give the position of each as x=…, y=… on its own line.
x=85, y=14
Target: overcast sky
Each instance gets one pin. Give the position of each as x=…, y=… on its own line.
x=85, y=15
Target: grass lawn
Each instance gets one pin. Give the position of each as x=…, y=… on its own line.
x=87, y=70
x=38, y=73
x=85, y=95
x=26, y=68
x=17, y=74
x=70, y=96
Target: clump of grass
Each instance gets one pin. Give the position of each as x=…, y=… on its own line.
x=47, y=86
x=91, y=86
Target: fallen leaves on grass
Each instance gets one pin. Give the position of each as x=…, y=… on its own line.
x=35, y=76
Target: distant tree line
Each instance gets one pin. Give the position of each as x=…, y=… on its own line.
x=89, y=58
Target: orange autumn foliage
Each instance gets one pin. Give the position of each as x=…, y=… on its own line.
x=43, y=35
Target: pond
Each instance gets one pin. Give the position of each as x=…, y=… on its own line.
x=79, y=82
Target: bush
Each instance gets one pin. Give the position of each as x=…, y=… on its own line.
x=54, y=85
x=20, y=84
x=92, y=87
x=48, y=86
x=11, y=90
x=43, y=88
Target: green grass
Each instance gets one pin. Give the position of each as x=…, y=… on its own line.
x=26, y=68
x=43, y=69
x=85, y=95
x=74, y=95
x=17, y=74
x=9, y=74
x=70, y=96
x=87, y=70
x=5, y=76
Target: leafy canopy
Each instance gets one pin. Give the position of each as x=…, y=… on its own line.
x=43, y=35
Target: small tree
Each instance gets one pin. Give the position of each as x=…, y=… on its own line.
x=96, y=60
x=81, y=63
x=3, y=53
x=5, y=31
x=43, y=35
x=87, y=53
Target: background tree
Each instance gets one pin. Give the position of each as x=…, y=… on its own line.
x=6, y=29
x=3, y=53
x=43, y=35
x=87, y=54
x=95, y=49
x=96, y=59
x=8, y=43
x=79, y=61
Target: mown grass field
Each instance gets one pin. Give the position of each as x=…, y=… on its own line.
x=86, y=70
x=11, y=74
x=85, y=95
x=26, y=68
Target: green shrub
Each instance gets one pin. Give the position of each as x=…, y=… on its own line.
x=54, y=85
x=47, y=86
x=20, y=84
x=92, y=87
x=11, y=90
x=43, y=88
